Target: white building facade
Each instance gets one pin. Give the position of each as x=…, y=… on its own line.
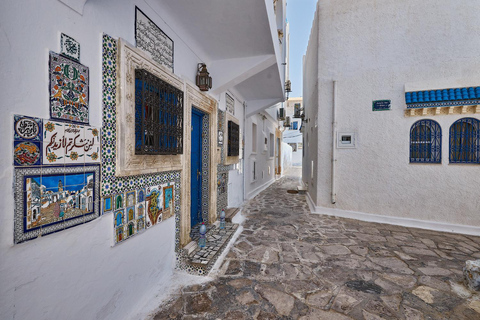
x=292, y=135
x=88, y=67
x=390, y=95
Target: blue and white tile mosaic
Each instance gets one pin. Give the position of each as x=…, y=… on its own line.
x=130, y=193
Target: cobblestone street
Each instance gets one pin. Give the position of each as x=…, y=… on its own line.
x=290, y=264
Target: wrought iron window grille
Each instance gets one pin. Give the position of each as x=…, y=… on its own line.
x=233, y=139
x=158, y=116
x=426, y=142
x=465, y=141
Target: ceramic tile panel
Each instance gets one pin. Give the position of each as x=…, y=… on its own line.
x=69, y=47
x=107, y=204
x=69, y=94
x=27, y=153
x=141, y=195
x=55, y=198
x=119, y=218
x=146, y=211
x=119, y=201
x=154, y=207
x=130, y=198
x=205, y=167
x=130, y=214
x=27, y=128
x=67, y=143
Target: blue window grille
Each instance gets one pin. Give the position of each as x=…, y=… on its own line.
x=158, y=116
x=425, y=142
x=465, y=141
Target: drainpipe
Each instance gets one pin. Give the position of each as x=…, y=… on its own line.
x=334, y=129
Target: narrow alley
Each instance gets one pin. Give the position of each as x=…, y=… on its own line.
x=290, y=264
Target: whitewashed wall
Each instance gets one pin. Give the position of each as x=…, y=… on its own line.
x=236, y=176
x=265, y=164
x=310, y=104
x=76, y=273
x=372, y=50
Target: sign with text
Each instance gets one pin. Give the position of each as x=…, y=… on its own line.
x=381, y=105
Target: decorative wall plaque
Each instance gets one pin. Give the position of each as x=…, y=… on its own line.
x=381, y=105
x=68, y=89
x=150, y=38
x=54, y=198
x=69, y=47
x=230, y=104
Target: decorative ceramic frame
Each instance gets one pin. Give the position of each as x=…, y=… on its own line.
x=127, y=162
x=113, y=184
x=21, y=174
x=195, y=99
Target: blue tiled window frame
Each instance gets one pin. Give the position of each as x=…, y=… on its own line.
x=465, y=141
x=426, y=140
x=443, y=97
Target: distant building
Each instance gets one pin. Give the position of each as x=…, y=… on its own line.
x=292, y=135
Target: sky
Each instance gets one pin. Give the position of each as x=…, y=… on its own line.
x=300, y=17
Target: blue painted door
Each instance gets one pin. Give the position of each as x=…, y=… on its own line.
x=196, y=168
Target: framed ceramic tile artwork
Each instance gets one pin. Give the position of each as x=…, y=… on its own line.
x=69, y=92
x=51, y=199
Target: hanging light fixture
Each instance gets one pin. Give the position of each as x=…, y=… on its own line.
x=203, y=81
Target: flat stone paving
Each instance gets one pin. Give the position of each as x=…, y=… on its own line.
x=290, y=264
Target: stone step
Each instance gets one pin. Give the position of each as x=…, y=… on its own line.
x=302, y=189
x=230, y=213
x=217, y=240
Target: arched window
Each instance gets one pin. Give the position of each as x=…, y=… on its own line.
x=465, y=141
x=425, y=142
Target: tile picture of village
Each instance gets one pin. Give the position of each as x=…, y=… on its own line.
x=56, y=198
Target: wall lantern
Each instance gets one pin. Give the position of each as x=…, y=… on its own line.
x=204, y=81
x=287, y=123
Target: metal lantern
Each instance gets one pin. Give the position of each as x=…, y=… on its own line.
x=204, y=81
x=287, y=123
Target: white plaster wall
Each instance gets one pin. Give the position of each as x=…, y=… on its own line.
x=310, y=103
x=294, y=136
x=373, y=49
x=75, y=273
x=261, y=157
x=236, y=177
x=287, y=155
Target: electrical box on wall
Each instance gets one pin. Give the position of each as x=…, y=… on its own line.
x=346, y=140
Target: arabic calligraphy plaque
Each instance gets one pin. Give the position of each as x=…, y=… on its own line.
x=150, y=38
x=70, y=143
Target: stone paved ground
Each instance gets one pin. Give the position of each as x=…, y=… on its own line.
x=290, y=264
